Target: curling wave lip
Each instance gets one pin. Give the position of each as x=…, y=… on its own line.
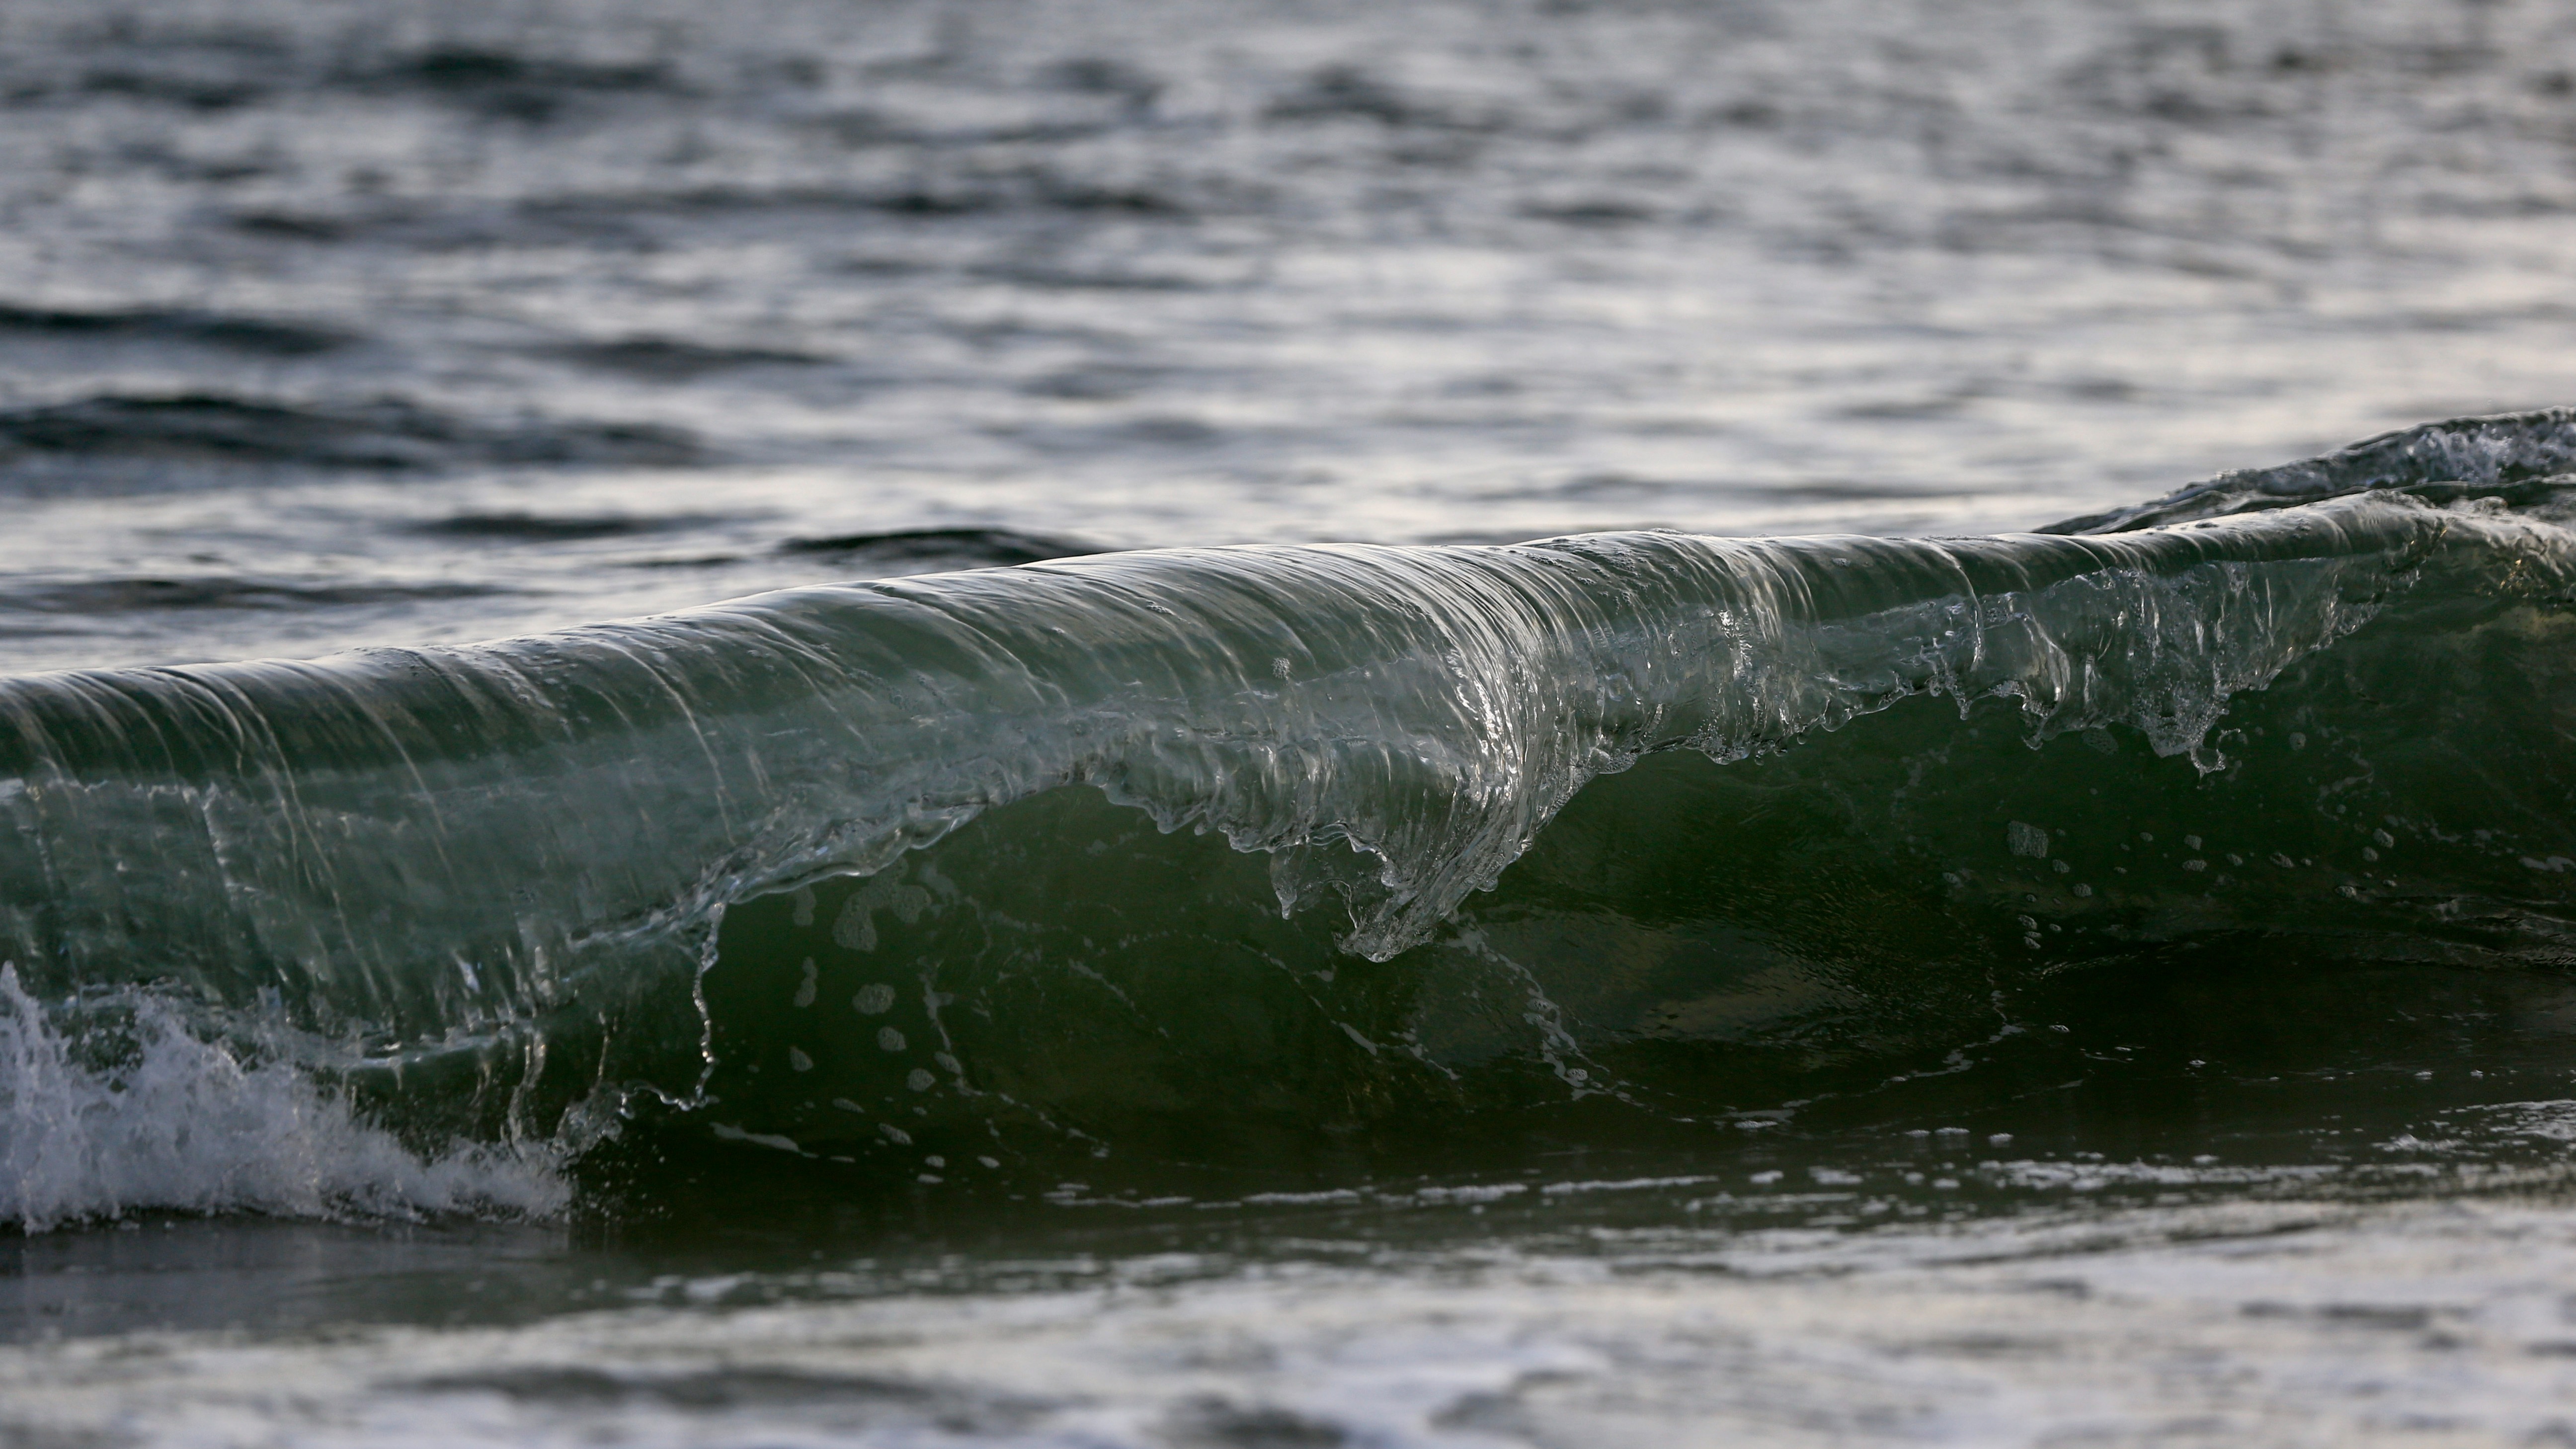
x=530, y=841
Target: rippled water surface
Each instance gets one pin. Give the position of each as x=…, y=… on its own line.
x=1639, y=990
x=327, y=324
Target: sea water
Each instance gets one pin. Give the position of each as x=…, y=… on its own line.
x=1274, y=724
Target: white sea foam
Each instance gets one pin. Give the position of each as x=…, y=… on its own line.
x=182, y=1123
x=2272, y=1324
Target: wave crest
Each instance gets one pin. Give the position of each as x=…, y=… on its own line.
x=519, y=852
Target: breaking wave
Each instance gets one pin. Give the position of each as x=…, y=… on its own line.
x=155, y=1117
x=1161, y=846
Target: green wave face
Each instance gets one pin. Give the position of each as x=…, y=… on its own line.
x=1267, y=847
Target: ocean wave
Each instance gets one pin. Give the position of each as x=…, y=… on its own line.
x=663, y=359
x=2511, y=459
x=88, y=597
x=110, y=436
x=229, y=332
x=514, y=85
x=944, y=547
x=161, y=1118
x=517, y=526
x=633, y=857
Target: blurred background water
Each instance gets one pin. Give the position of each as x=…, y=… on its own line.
x=334, y=323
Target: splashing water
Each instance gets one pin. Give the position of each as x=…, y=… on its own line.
x=188, y=1125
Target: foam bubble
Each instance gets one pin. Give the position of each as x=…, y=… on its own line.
x=178, y=1122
